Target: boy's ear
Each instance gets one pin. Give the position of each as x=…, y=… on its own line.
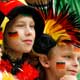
x=44, y=61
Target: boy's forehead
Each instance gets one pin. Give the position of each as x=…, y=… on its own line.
x=70, y=47
x=64, y=45
x=62, y=49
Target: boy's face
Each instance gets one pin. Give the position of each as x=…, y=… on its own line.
x=64, y=60
x=21, y=35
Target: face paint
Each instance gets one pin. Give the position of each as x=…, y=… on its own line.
x=60, y=65
x=13, y=35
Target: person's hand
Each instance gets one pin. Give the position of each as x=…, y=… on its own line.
x=68, y=77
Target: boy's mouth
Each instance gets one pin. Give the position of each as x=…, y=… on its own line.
x=73, y=72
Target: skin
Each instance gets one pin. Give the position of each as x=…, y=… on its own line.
x=68, y=54
x=23, y=43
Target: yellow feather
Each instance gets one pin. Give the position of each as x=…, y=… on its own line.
x=5, y=21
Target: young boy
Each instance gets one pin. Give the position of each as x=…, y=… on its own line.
x=59, y=60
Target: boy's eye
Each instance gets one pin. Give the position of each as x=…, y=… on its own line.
x=19, y=25
x=32, y=26
x=68, y=57
x=23, y=25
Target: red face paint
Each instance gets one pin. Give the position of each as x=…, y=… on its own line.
x=13, y=34
x=60, y=65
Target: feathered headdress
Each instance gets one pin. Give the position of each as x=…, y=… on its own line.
x=60, y=24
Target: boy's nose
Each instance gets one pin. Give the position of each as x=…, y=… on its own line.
x=75, y=63
x=28, y=31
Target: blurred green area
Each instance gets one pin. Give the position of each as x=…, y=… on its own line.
x=74, y=5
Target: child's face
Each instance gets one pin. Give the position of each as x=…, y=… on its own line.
x=64, y=60
x=21, y=35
